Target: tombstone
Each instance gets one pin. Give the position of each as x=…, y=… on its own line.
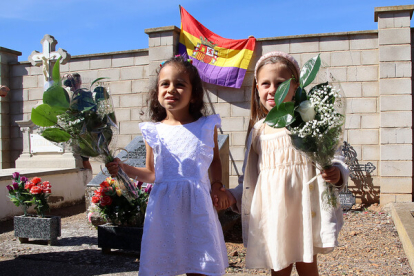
x=48, y=57
x=135, y=155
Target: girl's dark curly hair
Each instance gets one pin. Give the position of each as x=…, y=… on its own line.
x=157, y=113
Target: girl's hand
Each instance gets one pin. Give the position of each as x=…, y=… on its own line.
x=220, y=196
x=113, y=167
x=230, y=197
x=332, y=175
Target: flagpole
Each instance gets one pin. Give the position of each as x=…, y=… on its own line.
x=221, y=132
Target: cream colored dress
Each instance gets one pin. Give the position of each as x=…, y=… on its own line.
x=284, y=220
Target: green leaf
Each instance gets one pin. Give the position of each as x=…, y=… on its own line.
x=281, y=92
x=56, y=72
x=281, y=116
x=44, y=115
x=98, y=79
x=309, y=71
x=300, y=96
x=56, y=135
x=56, y=96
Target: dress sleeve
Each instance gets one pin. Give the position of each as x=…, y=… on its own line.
x=339, y=161
x=149, y=133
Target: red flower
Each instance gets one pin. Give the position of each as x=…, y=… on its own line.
x=28, y=185
x=36, y=190
x=95, y=199
x=107, y=189
x=36, y=180
x=104, y=184
x=47, y=184
x=98, y=193
x=106, y=200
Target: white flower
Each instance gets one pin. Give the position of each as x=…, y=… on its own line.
x=306, y=110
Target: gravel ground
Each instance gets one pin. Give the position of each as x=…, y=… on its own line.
x=369, y=245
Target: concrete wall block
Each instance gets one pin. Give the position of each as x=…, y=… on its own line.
x=308, y=45
x=369, y=57
x=35, y=94
x=346, y=58
x=111, y=74
x=370, y=121
x=387, y=198
x=133, y=73
x=232, y=124
x=238, y=153
x=352, y=89
x=30, y=81
x=123, y=60
x=303, y=58
x=232, y=169
x=123, y=140
x=100, y=62
x=403, y=70
x=396, y=136
x=386, y=20
x=396, y=168
x=363, y=137
x=370, y=152
x=242, y=109
x=270, y=46
x=20, y=70
x=396, y=119
x=370, y=89
x=396, y=152
x=402, y=19
x=154, y=40
x=230, y=95
x=141, y=59
x=361, y=105
x=27, y=106
x=353, y=121
x=38, y=70
x=364, y=41
x=128, y=127
x=223, y=109
x=387, y=70
x=395, y=86
x=123, y=114
x=395, y=102
x=339, y=73
x=120, y=87
x=362, y=73
x=140, y=86
x=161, y=53
x=233, y=181
x=115, y=100
x=88, y=77
x=166, y=39
x=334, y=44
x=79, y=65
x=132, y=100
x=396, y=185
x=238, y=138
x=140, y=113
x=394, y=36
x=16, y=108
x=403, y=197
x=395, y=53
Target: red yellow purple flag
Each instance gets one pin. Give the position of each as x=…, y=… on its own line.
x=219, y=60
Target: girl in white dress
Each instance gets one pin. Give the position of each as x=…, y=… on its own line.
x=182, y=233
x=283, y=219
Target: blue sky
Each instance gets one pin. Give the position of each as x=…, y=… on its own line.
x=92, y=26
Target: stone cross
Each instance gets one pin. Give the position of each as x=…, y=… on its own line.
x=48, y=57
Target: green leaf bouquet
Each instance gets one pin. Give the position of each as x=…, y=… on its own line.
x=86, y=120
x=314, y=119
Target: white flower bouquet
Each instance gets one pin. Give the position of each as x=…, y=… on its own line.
x=315, y=119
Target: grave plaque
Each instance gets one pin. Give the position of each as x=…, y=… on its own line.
x=39, y=144
x=347, y=200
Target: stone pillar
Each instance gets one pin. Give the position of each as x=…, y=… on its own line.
x=162, y=45
x=395, y=99
x=7, y=56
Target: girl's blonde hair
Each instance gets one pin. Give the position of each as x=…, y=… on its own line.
x=257, y=110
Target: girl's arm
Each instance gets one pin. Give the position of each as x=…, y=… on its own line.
x=216, y=176
x=146, y=174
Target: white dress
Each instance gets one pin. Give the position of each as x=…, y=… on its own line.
x=182, y=233
x=284, y=218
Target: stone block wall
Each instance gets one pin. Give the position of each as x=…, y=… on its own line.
x=374, y=69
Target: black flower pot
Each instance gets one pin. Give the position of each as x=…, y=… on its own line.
x=119, y=237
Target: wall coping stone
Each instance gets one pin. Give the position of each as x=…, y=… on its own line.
x=97, y=55
x=318, y=35
x=162, y=29
x=10, y=51
x=378, y=10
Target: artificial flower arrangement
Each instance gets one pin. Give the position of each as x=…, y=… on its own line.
x=86, y=120
x=25, y=193
x=115, y=208
x=314, y=119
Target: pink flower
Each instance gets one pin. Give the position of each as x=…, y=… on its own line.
x=36, y=190
x=9, y=187
x=15, y=185
x=148, y=188
x=15, y=175
x=28, y=185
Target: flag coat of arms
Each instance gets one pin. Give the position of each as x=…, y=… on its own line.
x=219, y=60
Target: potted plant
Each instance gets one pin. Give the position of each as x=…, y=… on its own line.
x=125, y=218
x=25, y=193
